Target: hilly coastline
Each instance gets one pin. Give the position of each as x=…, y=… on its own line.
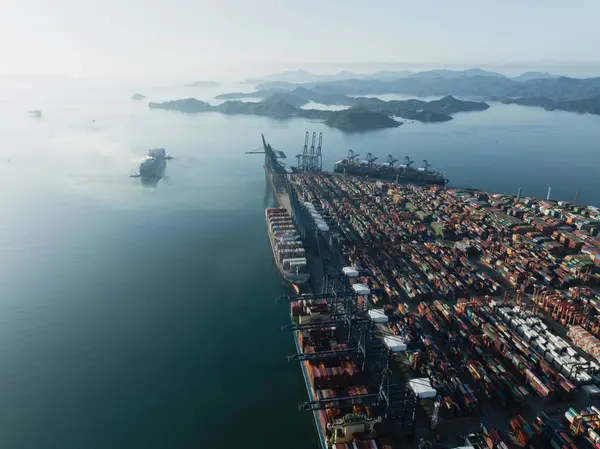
x=303, y=76
x=363, y=113
x=550, y=91
x=301, y=96
x=585, y=105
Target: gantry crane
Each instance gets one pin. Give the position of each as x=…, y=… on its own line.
x=319, y=156
x=391, y=160
x=370, y=159
x=393, y=401
x=352, y=156
x=312, y=155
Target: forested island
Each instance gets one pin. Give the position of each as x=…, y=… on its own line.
x=363, y=114
x=277, y=108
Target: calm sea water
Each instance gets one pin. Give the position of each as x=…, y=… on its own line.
x=143, y=317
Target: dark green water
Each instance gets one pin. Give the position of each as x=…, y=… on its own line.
x=135, y=317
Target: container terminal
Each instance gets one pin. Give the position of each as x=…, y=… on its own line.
x=441, y=317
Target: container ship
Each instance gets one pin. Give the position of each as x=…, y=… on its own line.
x=153, y=166
x=276, y=171
x=347, y=422
x=388, y=171
x=288, y=251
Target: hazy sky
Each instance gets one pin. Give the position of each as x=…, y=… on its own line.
x=130, y=38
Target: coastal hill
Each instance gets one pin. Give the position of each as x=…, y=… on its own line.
x=559, y=92
x=301, y=96
x=138, y=97
x=439, y=110
x=587, y=105
x=276, y=107
x=561, y=88
x=364, y=113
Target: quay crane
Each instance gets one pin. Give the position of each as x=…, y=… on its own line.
x=311, y=158
x=318, y=166
x=394, y=401
x=311, y=155
x=370, y=159
x=303, y=157
x=352, y=156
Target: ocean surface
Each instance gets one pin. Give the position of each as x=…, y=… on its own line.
x=143, y=317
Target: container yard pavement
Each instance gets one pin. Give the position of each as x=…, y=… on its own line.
x=429, y=248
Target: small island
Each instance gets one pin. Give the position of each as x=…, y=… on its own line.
x=364, y=113
x=188, y=105
x=203, y=84
x=357, y=119
x=138, y=97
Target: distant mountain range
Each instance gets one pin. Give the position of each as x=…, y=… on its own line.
x=546, y=90
x=203, y=84
x=302, y=76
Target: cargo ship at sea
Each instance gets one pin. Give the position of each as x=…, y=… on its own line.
x=339, y=395
x=288, y=251
x=389, y=171
x=153, y=166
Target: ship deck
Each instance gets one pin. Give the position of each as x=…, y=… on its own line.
x=281, y=195
x=311, y=396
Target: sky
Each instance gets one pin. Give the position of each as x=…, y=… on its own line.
x=137, y=38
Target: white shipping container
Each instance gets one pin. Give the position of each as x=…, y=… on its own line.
x=377, y=316
x=361, y=289
x=395, y=343
x=422, y=388
x=351, y=272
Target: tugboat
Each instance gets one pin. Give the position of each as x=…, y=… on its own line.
x=153, y=167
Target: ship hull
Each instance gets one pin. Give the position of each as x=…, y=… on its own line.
x=153, y=167
x=412, y=176
x=152, y=171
